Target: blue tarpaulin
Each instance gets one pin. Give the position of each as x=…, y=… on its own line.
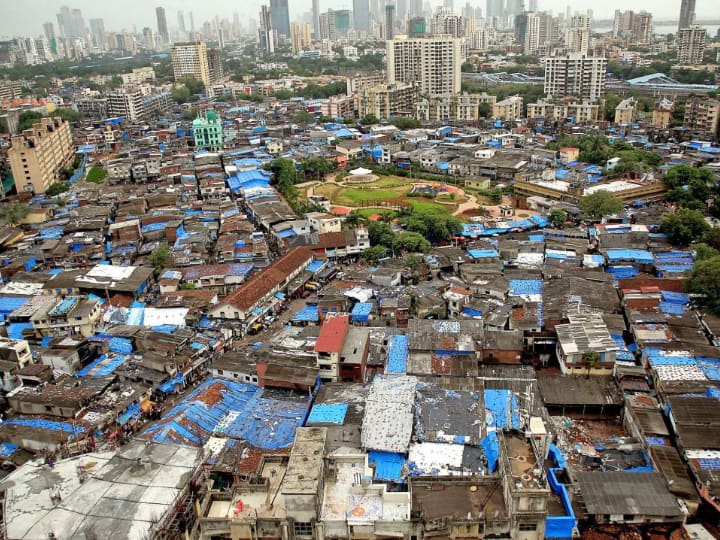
x=361, y=312
x=397, y=355
x=324, y=413
x=388, y=465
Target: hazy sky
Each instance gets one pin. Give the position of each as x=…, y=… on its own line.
x=25, y=17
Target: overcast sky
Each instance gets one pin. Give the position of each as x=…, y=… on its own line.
x=25, y=17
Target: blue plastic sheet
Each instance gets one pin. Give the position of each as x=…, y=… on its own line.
x=388, y=465
x=325, y=413
x=397, y=355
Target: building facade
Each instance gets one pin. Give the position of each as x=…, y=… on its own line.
x=691, y=45
x=190, y=59
x=40, y=153
x=702, y=116
x=386, y=100
x=208, y=132
x=575, y=75
x=432, y=64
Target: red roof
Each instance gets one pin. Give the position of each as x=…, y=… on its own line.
x=332, y=334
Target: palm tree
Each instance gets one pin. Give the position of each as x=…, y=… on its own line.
x=591, y=359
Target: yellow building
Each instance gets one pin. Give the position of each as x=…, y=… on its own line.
x=510, y=108
x=190, y=59
x=40, y=153
x=625, y=111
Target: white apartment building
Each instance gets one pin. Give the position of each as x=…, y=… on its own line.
x=691, y=45
x=575, y=75
x=431, y=64
x=577, y=37
x=127, y=103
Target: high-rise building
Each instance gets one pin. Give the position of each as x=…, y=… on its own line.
x=432, y=64
x=39, y=154
x=266, y=31
x=687, y=14
x=316, y=18
x=190, y=59
x=575, y=75
x=97, y=29
x=127, y=102
x=642, y=28
x=300, y=37
x=389, y=21
x=691, y=45
x=71, y=23
x=280, y=17
x=416, y=27
x=49, y=30
x=514, y=7
x=538, y=33
x=533, y=5
x=577, y=37
x=361, y=15
x=702, y=116
x=162, y=24
x=181, y=23
x=415, y=8
x=215, y=67
x=494, y=8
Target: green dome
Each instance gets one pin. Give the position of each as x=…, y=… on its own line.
x=212, y=116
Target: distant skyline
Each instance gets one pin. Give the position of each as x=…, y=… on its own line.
x=19, y=20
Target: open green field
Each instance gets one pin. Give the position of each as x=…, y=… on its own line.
x=386, y=188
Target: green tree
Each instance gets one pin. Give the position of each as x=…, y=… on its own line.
x=303, y=118
x=484, y=110
x=282, y=93
x=591, y=359
x=160, y=257
x=557, y=218
x=57, y=188
x=434, y=225
x=190, y=114
x=374, y=254
x=318, y=167
x=69, y=115
x=599, y=204
x=402, y=122
x=703, y=251
x=704, y=281
x=410, y=242
x=13, y=213
x=27, y=119
x=381, y=234
x=193, y=85
x=412, y=262
x=353, y=219
x=187, y=287
x=369, y=120
x=684, y=226
x=180, y=94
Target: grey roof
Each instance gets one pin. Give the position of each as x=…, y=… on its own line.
x=638, y=494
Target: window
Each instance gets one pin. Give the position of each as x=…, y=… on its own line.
x=527, y=527
x=302, y=528
x=220, y=371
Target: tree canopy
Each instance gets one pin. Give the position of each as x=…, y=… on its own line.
x=684, y=226
x=434, y=225
x=599, y=204
x=691, y=187
x=411, y=242
x=704, y=281
x=13, y=213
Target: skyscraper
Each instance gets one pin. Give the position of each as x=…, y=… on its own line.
x=389, y=21
x=687, y=14
x=577, y=37
x=280, y=17
x=316, y=18
x=162, y=24
x=97, y=29
x=71, y=23
x=415, y=8
x=267, y=32
x=432, y=64
x=533, y=5
x=49, y=30
x=494, y=8
x=361, y=15
x=181, y=23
